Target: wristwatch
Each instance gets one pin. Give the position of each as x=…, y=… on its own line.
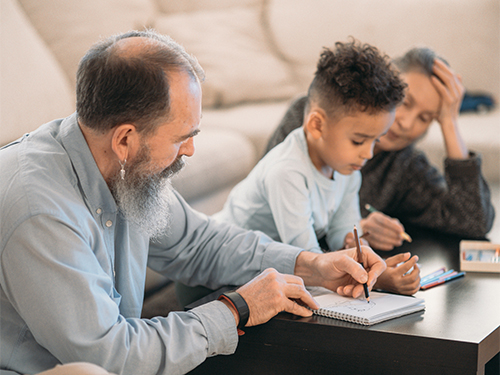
x=239, y=304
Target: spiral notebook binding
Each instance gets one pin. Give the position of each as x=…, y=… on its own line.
x=342, y=316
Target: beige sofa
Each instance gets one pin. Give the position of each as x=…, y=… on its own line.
x=258, y=55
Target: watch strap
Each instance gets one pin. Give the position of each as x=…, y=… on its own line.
x=239, y=304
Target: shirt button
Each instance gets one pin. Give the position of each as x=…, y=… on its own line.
x=109, y=223
x=98, y=211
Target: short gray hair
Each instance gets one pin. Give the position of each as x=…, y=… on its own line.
x=419, y=59
x=115, y=88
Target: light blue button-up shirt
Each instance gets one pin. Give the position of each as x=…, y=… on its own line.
x=73, y=270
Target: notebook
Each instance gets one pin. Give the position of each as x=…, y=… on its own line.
x=382, y=306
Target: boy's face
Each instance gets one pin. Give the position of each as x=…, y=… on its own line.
x=344, y=145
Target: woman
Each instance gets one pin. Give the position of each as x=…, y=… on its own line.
x=398, y=180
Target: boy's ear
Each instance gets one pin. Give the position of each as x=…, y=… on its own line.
x=315, y=123
x=125, y=141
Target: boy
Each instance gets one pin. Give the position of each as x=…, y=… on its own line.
x=304, y=192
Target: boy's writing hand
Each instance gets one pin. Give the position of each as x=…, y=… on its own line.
x=385, y=232
x=399, y=277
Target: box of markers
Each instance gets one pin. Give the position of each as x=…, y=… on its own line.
x=479, y=256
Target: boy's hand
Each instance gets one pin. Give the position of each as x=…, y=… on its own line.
x=396, y=278
x=385, y=232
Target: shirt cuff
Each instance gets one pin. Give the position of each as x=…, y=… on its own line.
x=220, y=327
x=281, y=257
x=466, y=167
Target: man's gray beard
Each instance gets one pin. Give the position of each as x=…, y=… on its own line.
x=144, y=198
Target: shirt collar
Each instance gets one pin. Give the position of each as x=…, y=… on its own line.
x=94, y=187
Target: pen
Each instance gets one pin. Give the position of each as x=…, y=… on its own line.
x=360, y=260
x=405, y=235
x=443, y=280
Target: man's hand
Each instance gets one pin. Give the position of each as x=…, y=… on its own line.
x=272, y=292
x=385, y=232
x=339, y=270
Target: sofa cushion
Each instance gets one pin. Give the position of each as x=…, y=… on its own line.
x=222, y=157
x=231, y=46
x=466, y=33
x=70, y=28
x=255, y=121
x=34, y=89
x=481, y=134
x=185, y=6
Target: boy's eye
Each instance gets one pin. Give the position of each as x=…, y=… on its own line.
x=358, y=143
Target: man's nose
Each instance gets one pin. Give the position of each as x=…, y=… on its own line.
x=187, y=148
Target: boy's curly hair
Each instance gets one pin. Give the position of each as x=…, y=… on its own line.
x=355, y=77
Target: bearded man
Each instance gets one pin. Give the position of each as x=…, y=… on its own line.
x=86, y=205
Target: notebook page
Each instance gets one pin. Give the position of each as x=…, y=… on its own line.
x=381, y=307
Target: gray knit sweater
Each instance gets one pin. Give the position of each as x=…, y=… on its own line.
x=404, y=185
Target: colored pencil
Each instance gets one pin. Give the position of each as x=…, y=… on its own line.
x=453, y=276
x=435, y=278
x=432, y=275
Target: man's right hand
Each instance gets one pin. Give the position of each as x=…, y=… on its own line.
x=272, y=292
x=384, y=231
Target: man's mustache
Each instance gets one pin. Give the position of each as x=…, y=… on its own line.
x=173, y=168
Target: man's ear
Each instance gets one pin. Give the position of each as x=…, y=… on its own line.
x=125, y=141
x=315, y=123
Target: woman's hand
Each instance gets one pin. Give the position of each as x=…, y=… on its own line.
x=384, y=231
x=451, y=91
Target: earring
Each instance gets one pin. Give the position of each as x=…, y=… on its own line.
x=122, y=171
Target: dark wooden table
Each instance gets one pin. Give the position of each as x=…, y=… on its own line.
x=459, y=332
